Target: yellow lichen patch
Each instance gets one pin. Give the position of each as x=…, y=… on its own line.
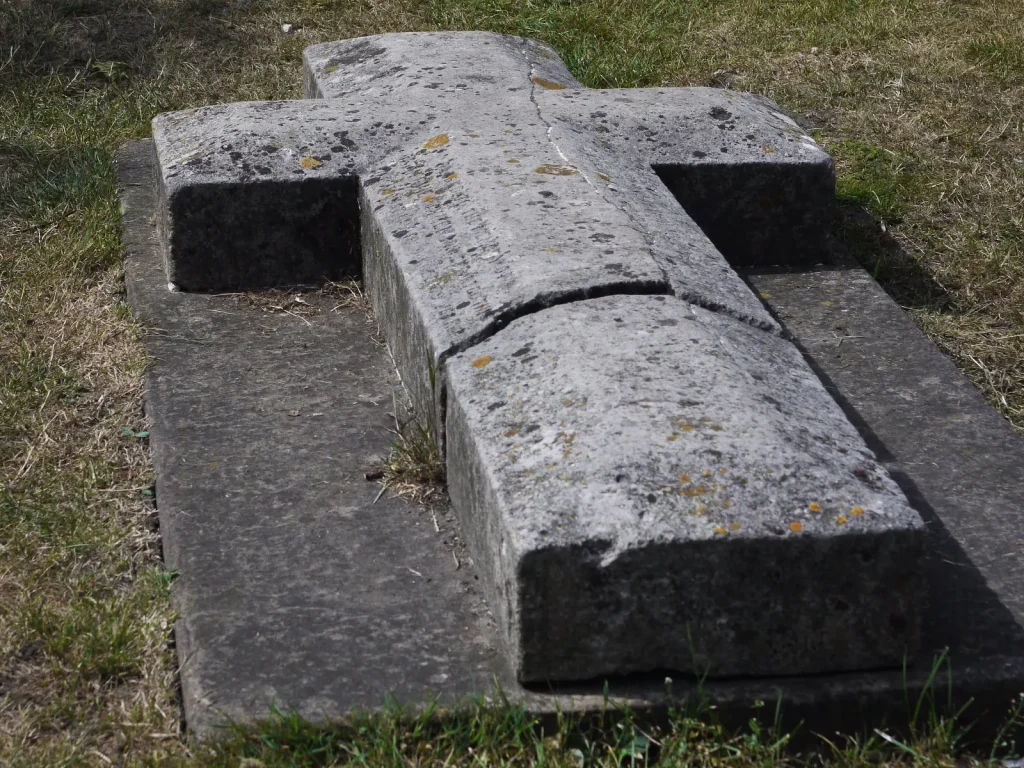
x=706, y=473
x=857, y=511
x=796, y=527
x=427, y=198
x=726, y=504
x=309, y=163
x=684, y=479
x=704, y=422
x=604, y=176
x=480, y=362
x=551, y=85
x=814, y=506
x=768, y=150
x=671, y=438
x=438, y=141
x=842, y=520
x=551, y=250
x=827, y=303
x=764, y=295
x=720, y=530
x=512, y=160
x=387, y=192
x=451, y=176
x=512, y=432
x=722, y=471
x=553, y=169
x=734, y=526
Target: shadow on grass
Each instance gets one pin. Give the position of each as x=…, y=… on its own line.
x=859, y=235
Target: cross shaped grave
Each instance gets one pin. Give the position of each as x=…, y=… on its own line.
x=648, y=473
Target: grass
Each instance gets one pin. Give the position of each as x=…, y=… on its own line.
x=919, y=99
x=414, y=467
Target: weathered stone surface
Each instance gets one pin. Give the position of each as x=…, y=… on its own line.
x=351, y=621
x=476, y=208
x=488, y=192
x=637, y=469
x=471, y=62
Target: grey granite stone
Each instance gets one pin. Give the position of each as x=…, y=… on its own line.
x=479, y=185
x=958, y=461
x=469, y=62
x=383, y=629
x=478, y=208
x=649, y=485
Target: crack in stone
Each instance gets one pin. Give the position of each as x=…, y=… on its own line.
x=695, y=299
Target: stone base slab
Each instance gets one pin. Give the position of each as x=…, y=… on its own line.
x=310, y=596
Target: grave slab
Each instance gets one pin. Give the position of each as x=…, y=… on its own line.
x=488, y=200
x=348, y=619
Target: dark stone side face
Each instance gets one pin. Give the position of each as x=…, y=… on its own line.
x=497, y=195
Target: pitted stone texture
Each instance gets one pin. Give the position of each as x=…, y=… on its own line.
x=477, y=208
x=486, y=191
x=757, y=185
x=636, y=472
x=754, y=181
x=435, y=61
x=517, y=218
x=262, y=193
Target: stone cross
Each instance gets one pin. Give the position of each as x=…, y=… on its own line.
x=648, y=473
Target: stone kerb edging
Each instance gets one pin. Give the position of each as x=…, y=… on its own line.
x=497, y=202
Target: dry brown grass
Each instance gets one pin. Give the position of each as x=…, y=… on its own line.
x=87, y=675
x=304, y=301
x=919, y=99
x=414, y=468
x=938, y=88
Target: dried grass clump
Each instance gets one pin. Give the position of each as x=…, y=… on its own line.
x=414, y=467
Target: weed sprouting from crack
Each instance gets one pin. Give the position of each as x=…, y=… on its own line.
x=414, y=467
